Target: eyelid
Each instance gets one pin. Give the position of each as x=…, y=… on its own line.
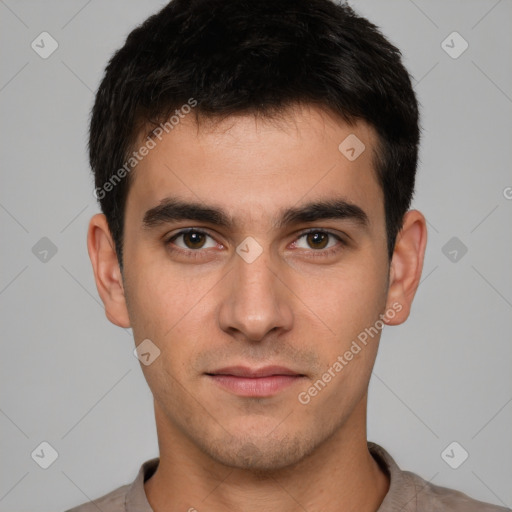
x=319, y=229
x=341, y=239
x=183, y=231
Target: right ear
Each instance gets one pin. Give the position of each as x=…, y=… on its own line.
x=406, y=265
x=107, y=273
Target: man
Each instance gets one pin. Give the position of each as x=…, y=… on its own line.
x=255, y=164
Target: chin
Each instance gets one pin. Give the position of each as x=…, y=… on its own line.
x=261, y=455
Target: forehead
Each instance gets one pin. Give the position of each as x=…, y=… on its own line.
x=253, y=167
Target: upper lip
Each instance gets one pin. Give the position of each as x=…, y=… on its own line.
x=244, y=371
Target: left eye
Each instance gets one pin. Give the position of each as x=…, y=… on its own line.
x=193, y=240
x=317, y=240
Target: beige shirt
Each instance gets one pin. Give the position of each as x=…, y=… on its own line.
x=407, y=492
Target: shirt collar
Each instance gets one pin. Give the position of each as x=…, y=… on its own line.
x=136, y=499
x=403, y=491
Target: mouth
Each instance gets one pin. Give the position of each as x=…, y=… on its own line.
x=255, y=382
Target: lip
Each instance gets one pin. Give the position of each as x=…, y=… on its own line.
x=255, y=382
x=245, y=371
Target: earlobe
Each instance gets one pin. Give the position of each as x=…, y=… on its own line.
x=406, y=266
x=107, y=273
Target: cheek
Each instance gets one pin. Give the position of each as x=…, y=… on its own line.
x=346, y=299
x=167, y=312
x=162, y=295
x=351, y=305
x=171, y=307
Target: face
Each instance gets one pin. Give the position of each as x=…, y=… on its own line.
x=258, y=296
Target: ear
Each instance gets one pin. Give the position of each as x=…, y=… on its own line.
x=406, y=266
x=107, y=273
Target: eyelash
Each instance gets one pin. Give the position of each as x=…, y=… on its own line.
x=320, y=253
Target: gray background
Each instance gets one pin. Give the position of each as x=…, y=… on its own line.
x=69, y=377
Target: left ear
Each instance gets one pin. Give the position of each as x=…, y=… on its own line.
x=106, y=269
x=406, y=266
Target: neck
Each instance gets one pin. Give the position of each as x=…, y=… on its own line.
x=340, y=475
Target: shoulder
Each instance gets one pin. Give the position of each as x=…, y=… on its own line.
x=435, y=498
x=114, y=501
x=130, y=496
x=408, y=492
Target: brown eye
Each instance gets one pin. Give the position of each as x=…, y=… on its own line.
x=194, y=240
x=319, y=243
x=317, y=239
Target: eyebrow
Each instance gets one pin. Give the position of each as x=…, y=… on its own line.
x=173, y=209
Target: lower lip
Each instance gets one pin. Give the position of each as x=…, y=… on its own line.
x=257, y=386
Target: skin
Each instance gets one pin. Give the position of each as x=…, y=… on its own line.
x=218, y=450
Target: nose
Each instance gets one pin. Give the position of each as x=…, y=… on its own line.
x=255, y=301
